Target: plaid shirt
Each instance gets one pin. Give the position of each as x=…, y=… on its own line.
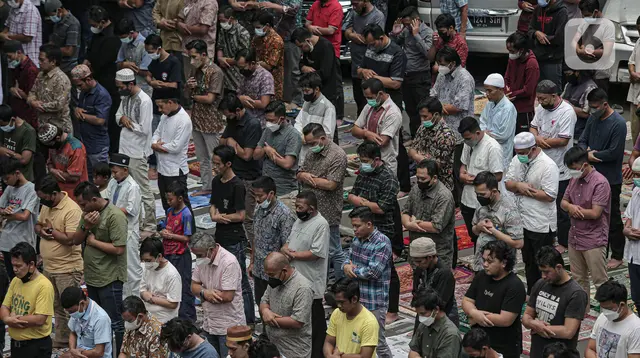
x=25, y=20
x=372, y=258
x=452, y=7
x=380, y=187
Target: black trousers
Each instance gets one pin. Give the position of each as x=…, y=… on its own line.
x=467, y=215
x=403, y=158
x=32, y=348
x=564, y=222
x=533, y=241
x=163, y=185
x=259, y=288
x=415, y=87
x=394, y=291
x=523, y=120
x=616, y=238
x=358, y=96
x=318, y=328
x=634, y=278
x=457, y=184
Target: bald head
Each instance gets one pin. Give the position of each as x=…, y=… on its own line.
x=275, y=262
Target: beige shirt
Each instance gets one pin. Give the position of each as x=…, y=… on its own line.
x=65, y=217
x=169, y=10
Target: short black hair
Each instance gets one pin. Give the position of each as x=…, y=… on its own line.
x=225, y=153
x=276, y=107
x=468, y=124
x=374, y=30
x=432, y=167
x=448, y=54
x=487, y=178
x=598, y=95
x=6, y=113
x=363, y=213
x=638, y=21
x=310, y=80
x=501, y=252
x=374, y=85
x=87, y=190
x=547, y=87
x=230, y=102
x=10, y=165
x=227, y=11
x=176, y=189
x=153, y=40
x=176, y=331
x=152, y=246
x=409, y=11
x=102, y=169
x=369, y=149
x=445, y=21
x=263, y=348
x=611, y=290
x=267, y=184
x=315, y=129
x=519, y=41
x=348, y=287
x=125, y=26
x=263, y=17
x=301, y=34
x=24, y=251
x=98, y=14
x=476, y=339
x=71, y=296
x=589, y=5
x=134, y=305
x=308, y=196
x=249, y=54
x=559, y=350
x=52, y=53
x=429, y=299
x=48, y=185
x=432, y=104
x=548, y=256
x=199, y=45
x=576, y=155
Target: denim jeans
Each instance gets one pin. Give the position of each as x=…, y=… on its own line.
x=336, y=254
x=219, y=343
x=94, y=159
x=182, y=263
x=247, y=293
x=109, y=298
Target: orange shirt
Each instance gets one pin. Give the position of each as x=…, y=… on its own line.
x=70, y=158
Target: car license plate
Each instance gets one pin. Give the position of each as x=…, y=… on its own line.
x=486, y=21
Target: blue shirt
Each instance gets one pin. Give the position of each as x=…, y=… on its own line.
x=93, y=328
x=97, y=102
x=500, y=119
x=607, y=137
x=452, y=7
x=204, y=350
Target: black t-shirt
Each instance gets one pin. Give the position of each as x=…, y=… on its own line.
x=246, y=131
x=102, y=54
x=554, y=303
x=228, y=198
x=323, y=59
x=441, y=279
x=494, y=296
x=169, y=70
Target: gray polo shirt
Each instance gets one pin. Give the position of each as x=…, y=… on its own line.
x=286, y=141
x=416, y=48
x=291, y=299
x=358, y=23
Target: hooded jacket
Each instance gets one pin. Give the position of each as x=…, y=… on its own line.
x=551, y=20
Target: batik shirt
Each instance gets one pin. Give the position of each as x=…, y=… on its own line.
x=201, y=12
x=286, y=22
x=438, y=143
x=207, y=118
x=230, y=42
x=272, y=228
x=258, y=85
x=270, y=50
x=53, y=90
x=144, y=342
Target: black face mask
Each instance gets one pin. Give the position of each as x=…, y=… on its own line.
x=274, y=282
x=444, y=36
x=483, y=201
x=426, y=185
x=246, y=72
x=47, y=203
x=54, y=145
x=124, y=92
x=26, y=277
x=572, y=80
x=303, y=215
x=309, y=97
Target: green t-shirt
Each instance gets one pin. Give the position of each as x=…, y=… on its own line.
x=18, y=140
x=100, y=268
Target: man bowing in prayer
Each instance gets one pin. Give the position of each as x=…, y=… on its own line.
x=498, y=119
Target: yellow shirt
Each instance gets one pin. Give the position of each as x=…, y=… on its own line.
x=362, y=331
x=65, y=217
x=31, y=298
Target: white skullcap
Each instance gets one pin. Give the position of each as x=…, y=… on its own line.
x=636, y=165
x=524, y=140
x=495, y=80
x=125, y=75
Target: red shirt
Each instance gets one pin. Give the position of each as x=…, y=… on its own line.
x=180, y=224
x=457, y=43
x=70, y=158
x=521, y=79
x=325, y=15
x=25, y=74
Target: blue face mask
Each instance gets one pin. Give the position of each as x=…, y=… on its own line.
x=636, y=182
x=265, y=204
x=126, y=40
x=427, y=124
x=366, y=167
x=543, y=3
x=55, y=19
x=590, y=20
x=372, y=102
x=260, y=32
x=8, y=128
x=13, y=64
x=524, y=159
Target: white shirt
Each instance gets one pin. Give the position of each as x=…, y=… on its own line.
x=165, y=283
x=556, y=123
x=175, y=132
x=128, y=198
x=542, y=174
x=320, y=111
x=634, y=89
x=632, y=247
x=136, y=142
x=486, y=156
x=616, y=339
x=389, y=124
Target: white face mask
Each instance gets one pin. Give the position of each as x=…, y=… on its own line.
x=611, y=315
x=13, y=4
x=203, y=261
x=575, y=173
x=131, y=326
x=272, y=126
x=514, y=56
x=154, y=56
x=225, y=25
x=444, y=70
x=150, y=266
x=428, y=321
x=96, y=30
